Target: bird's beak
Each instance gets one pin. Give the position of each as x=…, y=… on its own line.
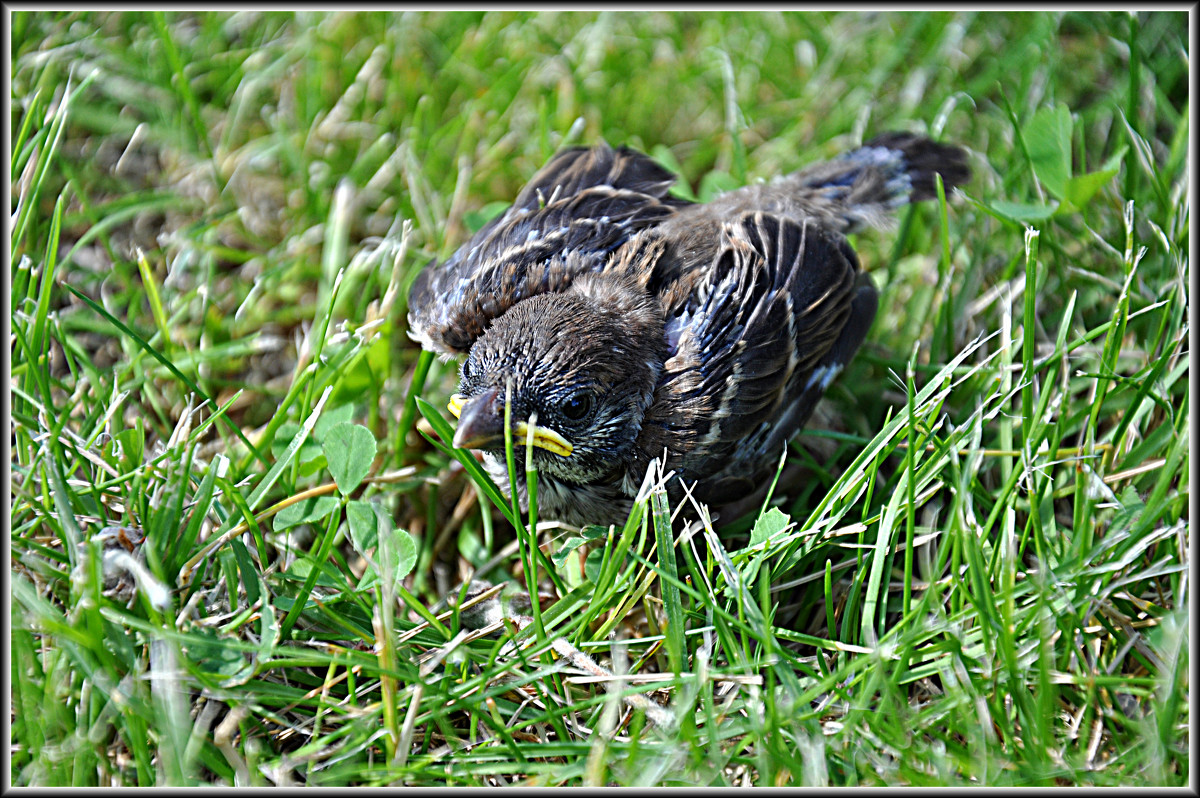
x=481, y=426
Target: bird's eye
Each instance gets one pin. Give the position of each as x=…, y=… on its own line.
x=577, y=406
x=466, y=369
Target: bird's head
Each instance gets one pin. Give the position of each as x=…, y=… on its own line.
x=582, y=366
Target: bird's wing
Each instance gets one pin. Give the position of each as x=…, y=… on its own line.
x=578, y=168
x=578, y=209
x=860, y=188
x=752, y=341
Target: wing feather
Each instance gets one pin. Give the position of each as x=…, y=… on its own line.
x=743, y=347
x=577, y=210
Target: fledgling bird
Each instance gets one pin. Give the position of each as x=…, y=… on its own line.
x=632, y=324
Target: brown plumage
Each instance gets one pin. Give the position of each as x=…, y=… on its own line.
x=636, y=325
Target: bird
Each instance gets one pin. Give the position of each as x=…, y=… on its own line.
x=621, y=323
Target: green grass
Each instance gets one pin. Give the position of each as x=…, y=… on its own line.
x=236, y=544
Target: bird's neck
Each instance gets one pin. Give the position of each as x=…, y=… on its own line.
x=601, y=501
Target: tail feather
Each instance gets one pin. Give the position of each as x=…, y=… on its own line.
x=862, y=187
x=923, y=159
x=858, y=189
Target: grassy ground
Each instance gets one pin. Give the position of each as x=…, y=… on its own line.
x=234, y=544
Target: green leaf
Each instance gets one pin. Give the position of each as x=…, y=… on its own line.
x=305, y=512
x=1131, y=508
x=1082, y=188
x=245, y=566
x=366, y=369
x=217, y=655
x=307, y=469
x=268, y=624
x=769, y=524
x=475, y=220
x=330, y=419
x=664, y=156
x=588, y=534
x=133, y=445
x=594, y=532
x=470, y=546
x=364, y=531
x=1023, y=211
x=1114, y=160
x=715, y=183
x=564, y=550
x=591, y=565
x=349, y=450
x=371, y=527
x=397, y=550
x=309, y=455
x=1048, y=137
x=301, y=571
x=568, y=567
x=766, y=526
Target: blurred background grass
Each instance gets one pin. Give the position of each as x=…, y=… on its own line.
x=182, y=170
